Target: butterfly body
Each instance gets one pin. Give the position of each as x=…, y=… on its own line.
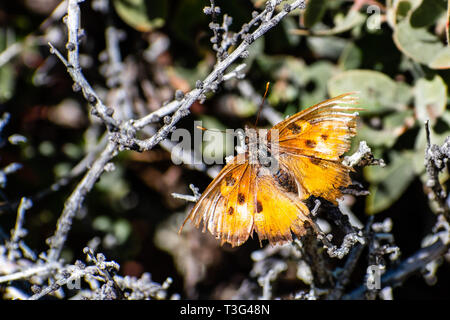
x=264, y=188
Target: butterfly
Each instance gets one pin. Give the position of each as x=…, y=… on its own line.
x=251, y=194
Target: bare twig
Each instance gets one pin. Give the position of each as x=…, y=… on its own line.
x=191, y=198
x=316, y=259
x=352, y=260
x=10, y=52
x=41, y=268
x=74, y=68
x=363, y=157
x=18, y=232
x=73, y=203
x=9, y=169
x=408, y=267
x=103, y=266
x=436, y=159
x=4, y=120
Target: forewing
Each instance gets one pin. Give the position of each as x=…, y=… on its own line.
x=311, y=143
x=322, y=131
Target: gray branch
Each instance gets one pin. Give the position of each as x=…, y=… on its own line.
x=408, y=267
x=74, y=68
x=436, y=159
x=74, y=202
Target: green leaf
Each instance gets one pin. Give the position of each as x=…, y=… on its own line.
x=289, y=23
x=282, y=92
x=7, y=81
x=402, y=9
x=441, y=60
x=314, y=12
x=420, y=45
x=122, y=230
x=238, y=105
x=393, y=126
x=113, y=184
x=326, y=47
x=376, y=137
x=388, y=183
x=7, y=74
x=351, y=57
x=342, y=24
x=352, y=20
x=293, y=79
x=377, y=92
x=191, y=75
x=430, y=97
x=102, y=223
x=427, y=13
x=282, y=65
x=316, y=76
x=142, y=15
x=446, y=118
x=254, y=51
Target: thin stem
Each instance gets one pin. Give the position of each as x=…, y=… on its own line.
x=74, y=202
x=407, y=268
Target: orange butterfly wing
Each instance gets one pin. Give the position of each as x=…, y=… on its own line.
x=224, y=207
x=321, y=131
x=243, y=199
x=312, y=141
x=317, y=177
x=278, y=213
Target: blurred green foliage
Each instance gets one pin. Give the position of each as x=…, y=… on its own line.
x=142, y=15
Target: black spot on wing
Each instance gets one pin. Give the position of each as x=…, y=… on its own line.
x=259, y=207
x=229, y=180
x=241, y=198
x=294, y=128
x=314, y=160
x=310, y=143
x=286, y=181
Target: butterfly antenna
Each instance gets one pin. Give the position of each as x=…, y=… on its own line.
x=262, y=103
x=213, y=130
